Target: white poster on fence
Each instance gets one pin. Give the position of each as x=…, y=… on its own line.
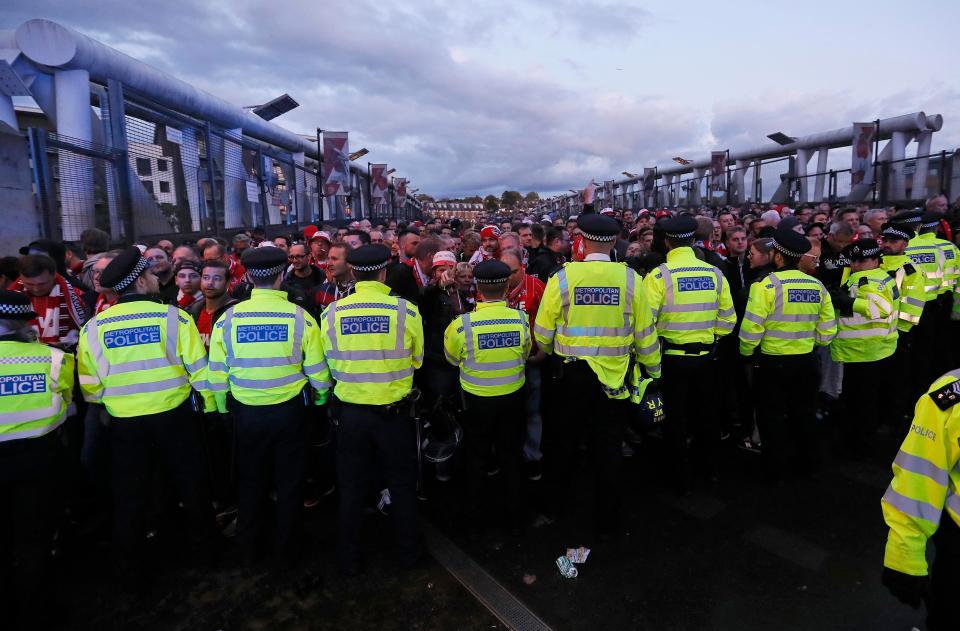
x=253, y=192
x=861, y=169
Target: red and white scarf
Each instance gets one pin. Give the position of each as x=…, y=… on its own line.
x=60, y=314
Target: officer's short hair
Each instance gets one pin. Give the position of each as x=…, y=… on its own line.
x=552, y=234
x=492, y=290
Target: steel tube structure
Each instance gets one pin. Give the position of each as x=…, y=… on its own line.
x=53, y=45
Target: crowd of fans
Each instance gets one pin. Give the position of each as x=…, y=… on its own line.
x=432, y=267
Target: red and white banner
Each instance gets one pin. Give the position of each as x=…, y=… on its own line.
x=378, y=176
x=649, y=180
x=861, y=170
x=400, y=191
x=336, y=163
x=718, y=171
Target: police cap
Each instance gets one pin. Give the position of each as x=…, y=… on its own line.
x=264, y=262
x=930, y=219
x=679, y=227
x=491, y=271
x=124, y=269
x=907, y=217
x=595, y=227
x=369, y=258
x=863, y=249
x=15, y=305
x=791, y=243
x=891, y=231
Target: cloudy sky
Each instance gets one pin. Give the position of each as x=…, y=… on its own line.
x=482, y=96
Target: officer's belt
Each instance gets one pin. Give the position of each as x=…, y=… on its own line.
x=396, y=407
x=691, y=348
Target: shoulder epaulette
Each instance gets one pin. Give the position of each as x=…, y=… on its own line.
x=908, y=269
x=946, y=396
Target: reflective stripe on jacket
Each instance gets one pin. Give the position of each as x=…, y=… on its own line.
x=690, y=300
x=926, y=478
x=490, y=346
x=141, y=357
x=372, y=342
x=36, y=387
x=264, y=350
x=870, y=334
x=788, y=312
x=595, y=311
x=910, y=283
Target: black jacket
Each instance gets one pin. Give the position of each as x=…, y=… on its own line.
x=542, y=262
x=401, y=281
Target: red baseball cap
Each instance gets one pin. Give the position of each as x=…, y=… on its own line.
x=490, y=232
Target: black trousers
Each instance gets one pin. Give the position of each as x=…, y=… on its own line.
x=493, y=434
x=140, y=445
x=688, y=387
x=929, y=353
x=30, y=479
x=787, y=400
x=271, y=454
x=580, y=410
x=374, y=442
x=944, y=578
x=861, y=397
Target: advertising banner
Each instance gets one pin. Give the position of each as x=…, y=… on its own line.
x=336, y=163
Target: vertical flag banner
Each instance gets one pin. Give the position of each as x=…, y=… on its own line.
x=718, y=171
x=400, y=185
x=336, y=163
x=379, y=186
x=649, y=179
x=608, y=192
x=862, y=168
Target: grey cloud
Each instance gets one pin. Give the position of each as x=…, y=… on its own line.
x=384, y=72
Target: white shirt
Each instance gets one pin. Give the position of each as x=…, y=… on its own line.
x=599, y=256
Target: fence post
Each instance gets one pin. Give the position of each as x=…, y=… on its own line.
x=211, y=179
x=41, y=179
x=261, y=185
x=118, y=135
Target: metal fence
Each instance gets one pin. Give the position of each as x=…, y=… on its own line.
x=154, y=173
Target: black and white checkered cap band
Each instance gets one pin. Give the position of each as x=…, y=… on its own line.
x=916, y=219
x=370, y=268
x=269, y=271
x=491, y=281
x=871, y=253
x=680, y=235
x=597, y=237
x=128, y=280
x=893, y=232
x=784, y=250
x=8, y=309
x=932, y=224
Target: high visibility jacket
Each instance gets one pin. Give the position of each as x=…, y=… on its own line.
x=951, y=262
x=910, y=282
x=594, y=310
x=264, y=350
x=788, y=312
x=36, y=386
x=373, y=342
x=490, y=346
x=141, y=357
x=926, y=477
x=870, y=334
x=929, y=258
x=691, y=300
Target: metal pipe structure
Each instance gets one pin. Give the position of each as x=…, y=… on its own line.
x=53, y=45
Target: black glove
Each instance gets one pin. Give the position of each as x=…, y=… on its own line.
x=842, y=302
x=908, y=589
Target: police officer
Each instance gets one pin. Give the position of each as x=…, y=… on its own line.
x=141, y=359
x=923, y=502
x=490, y=346
x=593, y=318
x=263, y=353
x=866, y=304
x=36, y=387
x=911, y=283
x=929, y=259
x=947, y=303
x=788, y=313
x=373, y=342
x=693, y=309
